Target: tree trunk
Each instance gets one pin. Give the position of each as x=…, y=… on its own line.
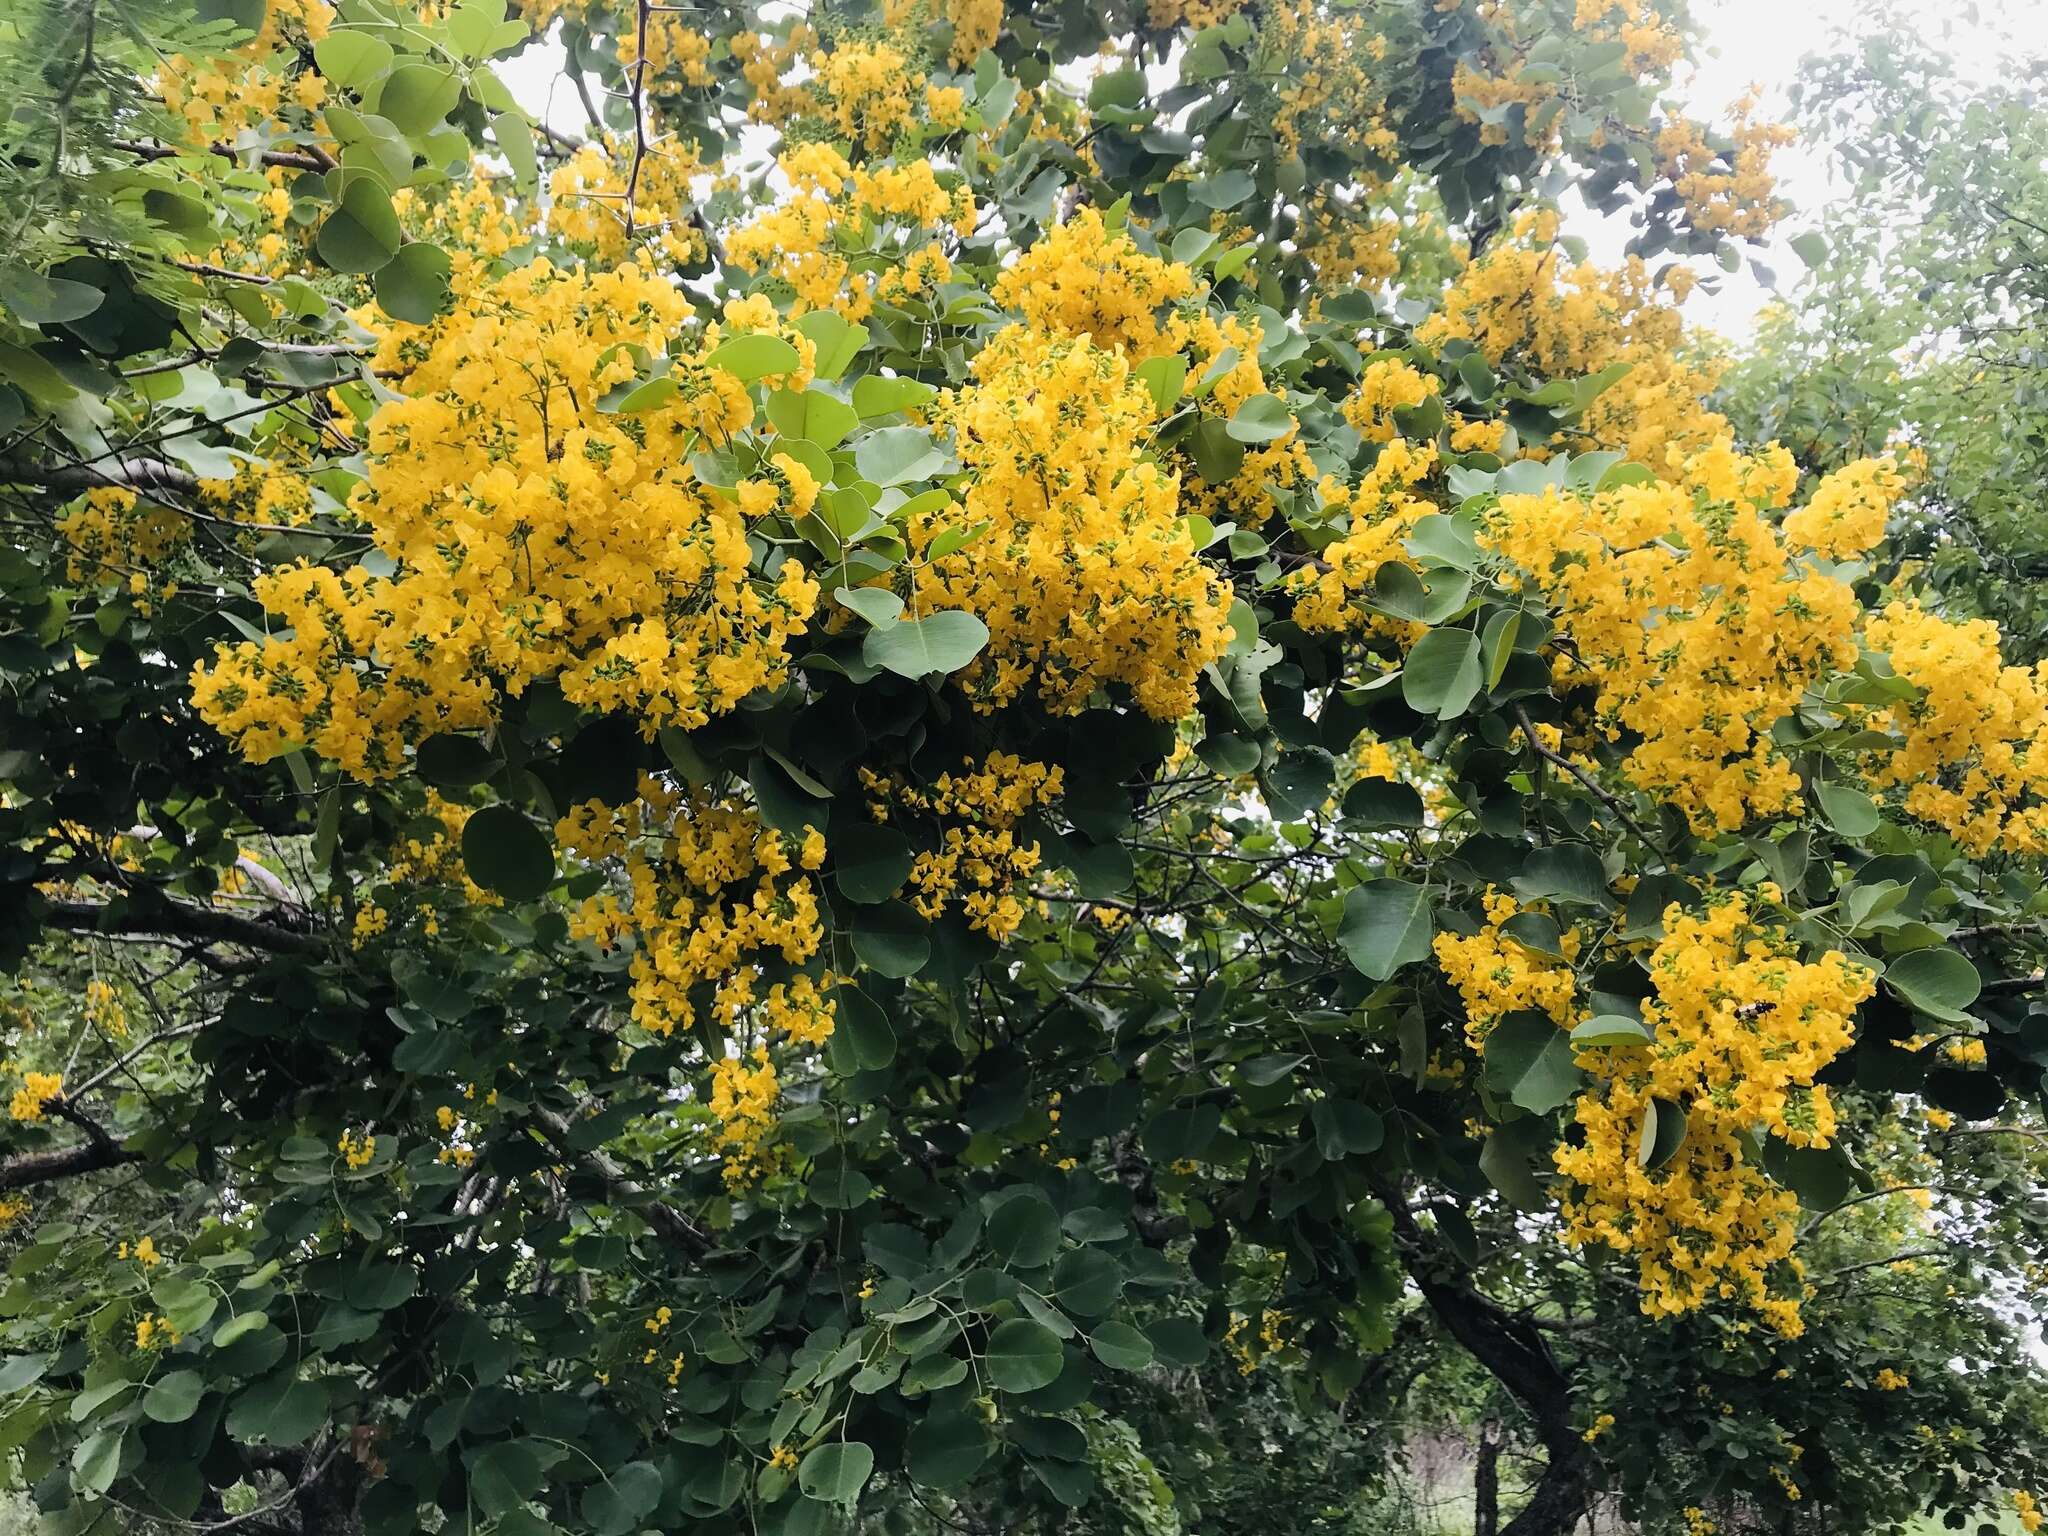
x=1486, y=1482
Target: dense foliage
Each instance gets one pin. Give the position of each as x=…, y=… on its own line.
x=993, y=755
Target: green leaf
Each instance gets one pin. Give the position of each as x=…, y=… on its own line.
x=505, y=852
x=863, y=1039
x=870, y=861
x=1260, y=419
x=1611, y=1029
x=362, y=234
x=755, y=356
x=617, y=1504
x=836, y=1473
x=1343, y=1128
x=514, y=136
x=836, y=343
x=39, y=300
x=1387, y=924
x=1217, y=455
x=1226, y=189
x=1023, y=1356
x=417, y=98
x=1530, y=1059
x=1564, y=872
x=1024, y=1231
x=1811, y=248
x=1163, y=377
x=504, y=1476
x=811, y=415
x=897, y=455
x=1849, y=811
x=946, y=1449
x=878, y=605
x=1662, y=1135
x=890, y=938
x=876, y=394
x=1443, y=673
x=413, y=285
x=1939, y=982
x=351, y=58
x=279, y=1410
x=97, y=1461
x=1120, y=1347
x=173, y=1398
x=917, y=648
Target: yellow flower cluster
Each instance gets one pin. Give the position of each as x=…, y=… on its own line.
x=1889, y=1380
x=1520, y=303
x=1254, y=1349
x=356, y=1150
x=534, y=535
x=105, y=1009
x=37, y=1090
x=888, y=214
x=111, y=537
x=1972, y=758
x=869, y=91
x=1086, y=279
x=974, y=815
x=1689, y=616
x=1731, y=193
x=671, y=44
x=1330, y=70
x=743, y=1098
x=1379, y=516
x=588, y=207
x=1497, y=975
x=1741, y=1027
x=975, y=23
x=219, y=101
x=1387, y=385
x=155, y=1332
x=142, y=1251
x=1846, y=513
x=12, y=1209
x=1086, y=573
x=715, y=900
x=2028, y=1509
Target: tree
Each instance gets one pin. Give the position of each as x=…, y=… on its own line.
x=777, y=848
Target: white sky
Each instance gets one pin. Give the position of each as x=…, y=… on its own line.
x=1761, y=42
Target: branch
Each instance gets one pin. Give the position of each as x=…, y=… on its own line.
x=311, y=158
x=135, y=474
x=175, y=920
x=98, y=1151
x=1572, y=768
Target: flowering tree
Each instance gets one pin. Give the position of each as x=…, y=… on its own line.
x=737, y=820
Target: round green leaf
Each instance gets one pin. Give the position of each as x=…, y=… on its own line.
x=1443, y=673
x=362, y=234
x=1024, y=1356
x=413, y=285
x=890, y=938
x=870, y=861
x=419, y=97
x=1387, y=924
x=755, y=356
x=946, y=1449
x=1938, y=982
x=351, y=58
x=1024, y=1231
x=836, y=1473
x=1260, y=419
x=1121, y=1347
x=505, y=852
x=172, y=1398
x=916, y=648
